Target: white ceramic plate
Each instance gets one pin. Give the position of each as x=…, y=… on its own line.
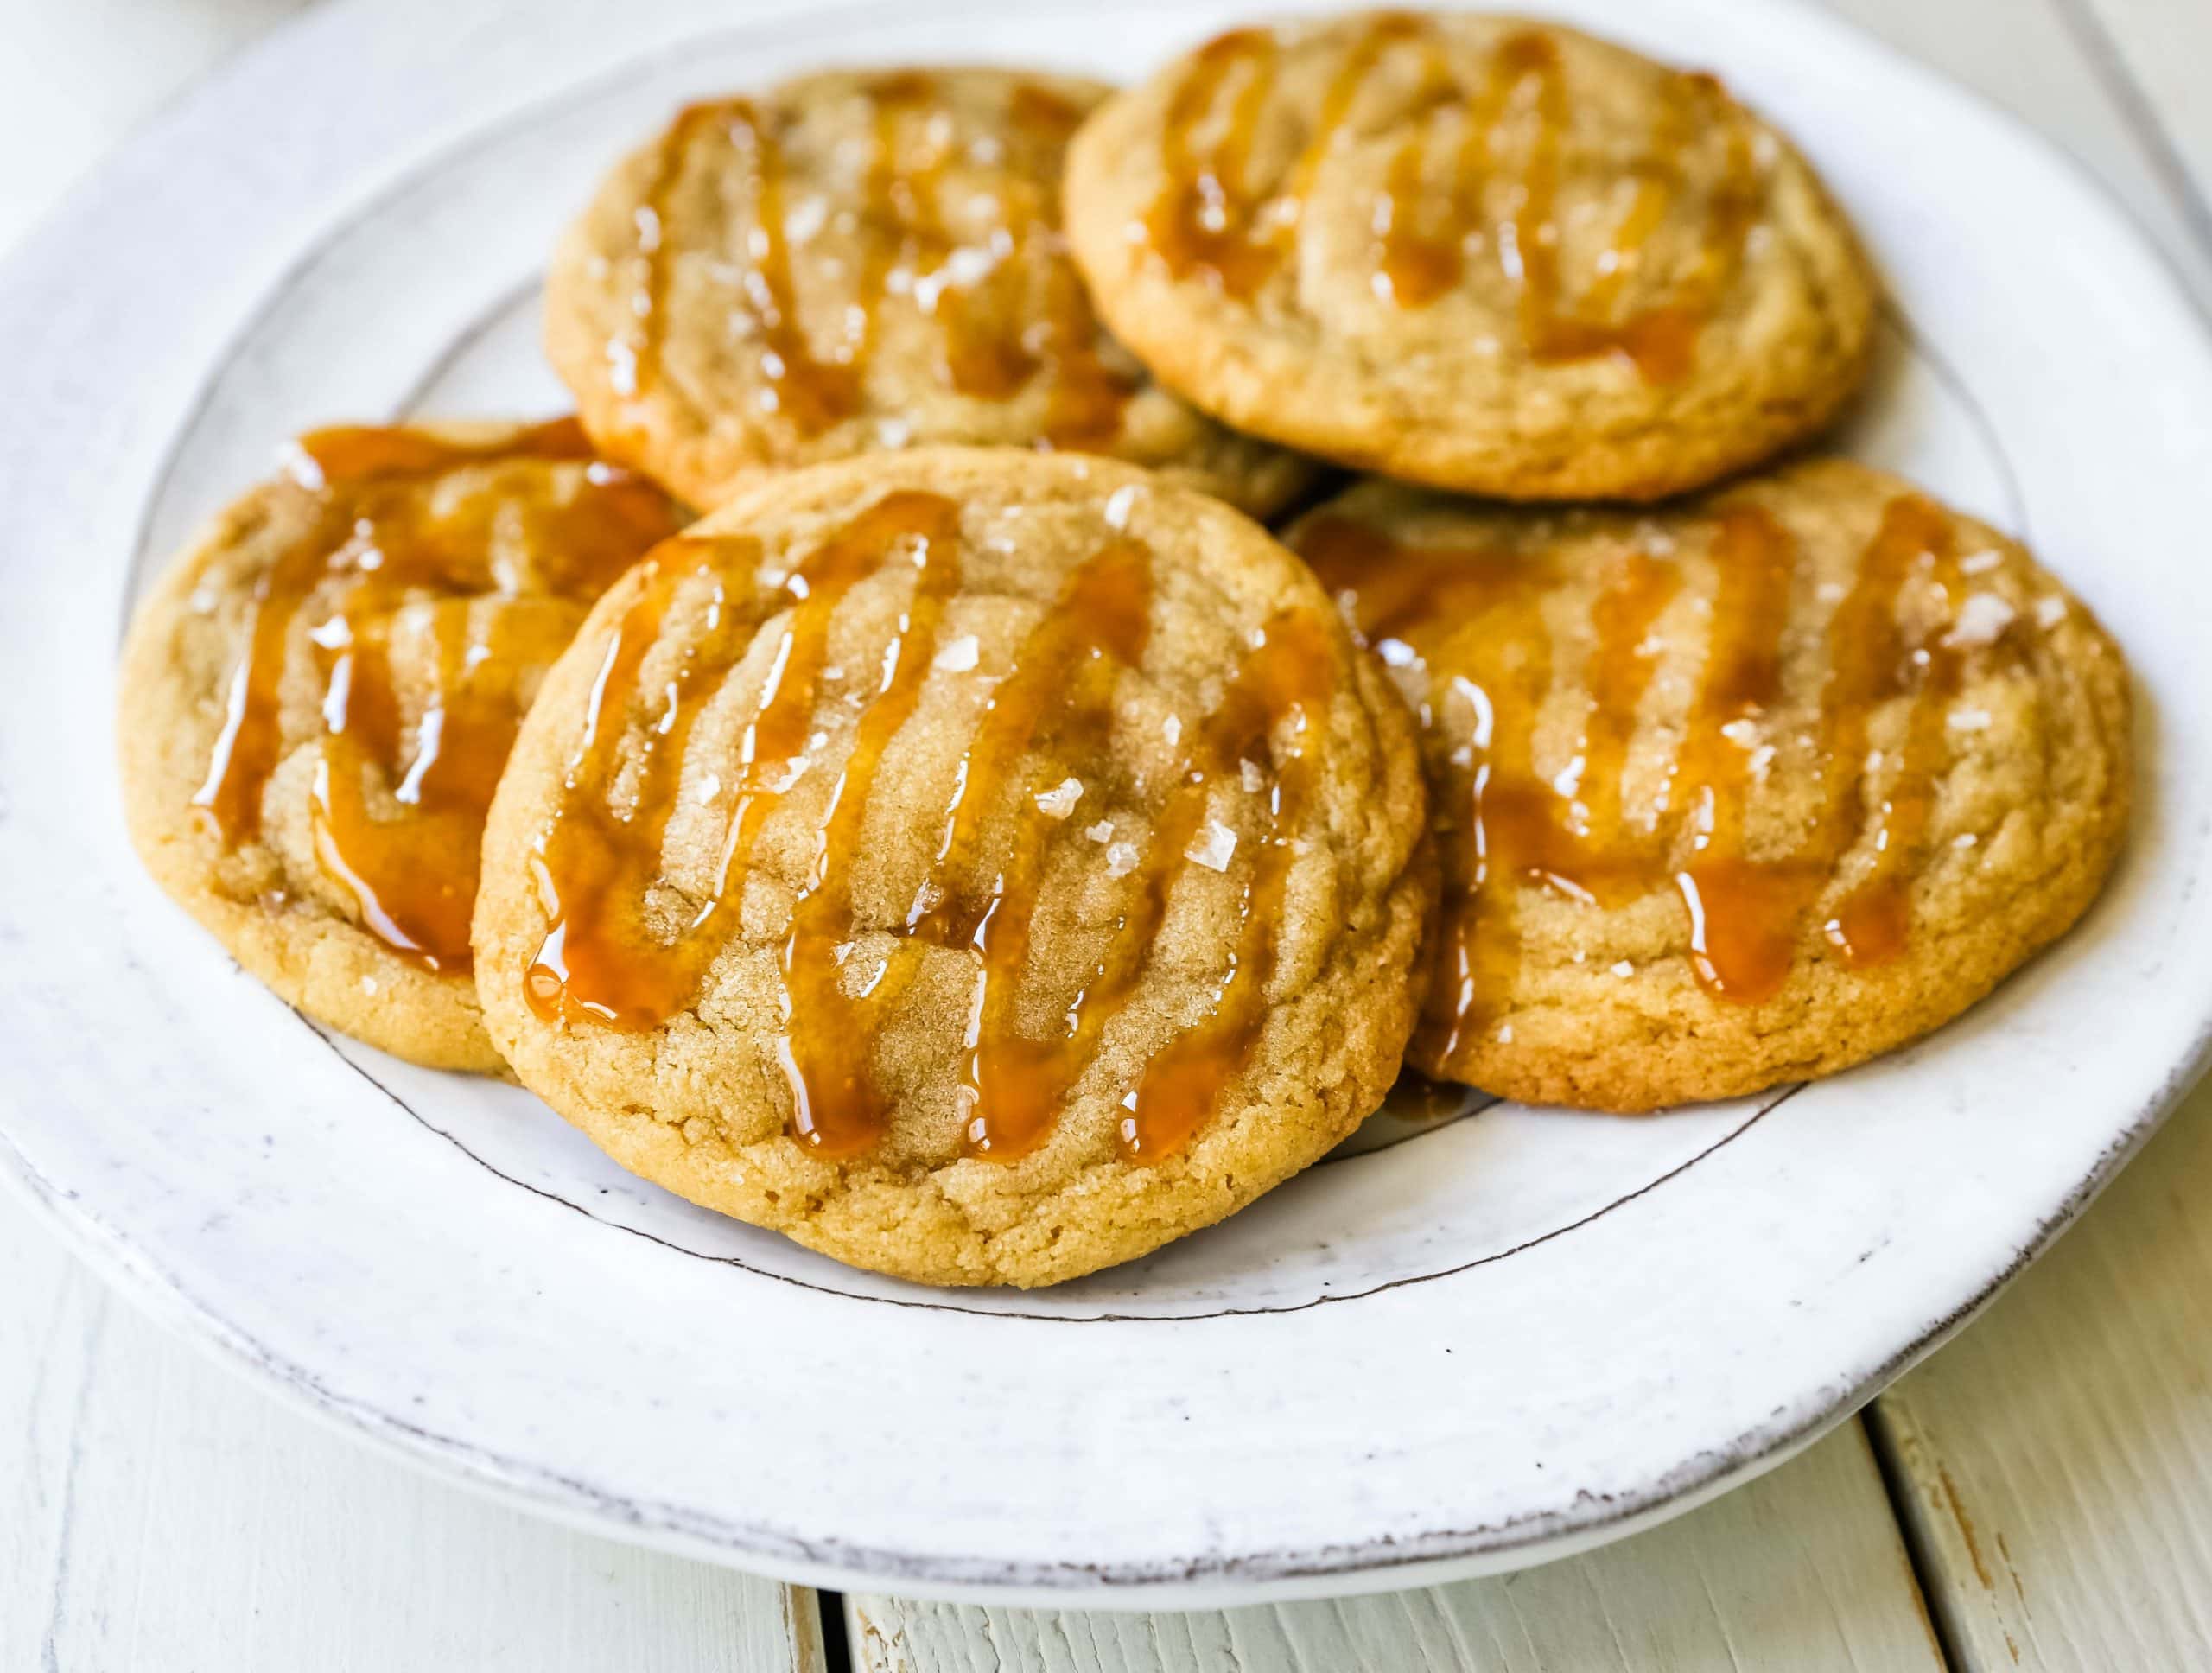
x=1489, y=1342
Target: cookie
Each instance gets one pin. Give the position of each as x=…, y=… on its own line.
x=857, y=262
x=979, y=865
x=1741, y=792
x=319, y=695
x=1471, y=252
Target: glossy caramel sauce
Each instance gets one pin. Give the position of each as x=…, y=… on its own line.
x=626, y=949
x=1483, y=156
x=1007, y=304
x=404, y=775
x=1481, y=624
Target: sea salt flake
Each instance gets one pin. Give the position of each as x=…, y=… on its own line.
x=1059, y=801
x=1623, y=968
x=1213, y=848
x=1255, y=776
x=1100, y=832
x=806, y=218
x=1118, y=505
x=1121, y=859
x=1982, y=618
x=957, y=656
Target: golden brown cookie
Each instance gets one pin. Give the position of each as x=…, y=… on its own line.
x=1742, y=792
x=981, y=866
x=857, y=262
x=1474, y=251
x=319, y=695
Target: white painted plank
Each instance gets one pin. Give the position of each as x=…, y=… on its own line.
x=1802, y=1570
x=158, y=1514
x=2059, y=1454
x=2026, y=55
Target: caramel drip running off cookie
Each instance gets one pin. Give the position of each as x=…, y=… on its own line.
x=398, y=799
x=980, y=285
x=1212, y=219
x=627, y=950
x=1509, y=826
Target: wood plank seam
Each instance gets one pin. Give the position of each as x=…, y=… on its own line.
x=73, y=1465
x=1926, y=1564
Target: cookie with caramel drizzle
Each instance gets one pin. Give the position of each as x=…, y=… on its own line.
x=979, y=865
x=1743, y=791
x=859, y=261
x=318, y=699
x=1492, y=255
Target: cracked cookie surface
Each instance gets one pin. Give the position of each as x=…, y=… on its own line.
x=317, y=699
x=980, y=866
x=856, y=262
x=1742, y=791
x=1473, y=252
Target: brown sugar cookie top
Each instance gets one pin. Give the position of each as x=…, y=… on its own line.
x=854, y=261
x=319, y=698
x=1743, y=791
x=979, y=865
x=1473, y=250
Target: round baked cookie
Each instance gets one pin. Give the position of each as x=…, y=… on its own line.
x=319, y=694
x=1473, y=252
x=981, y=866
x=854, y=263
x=1735, y=793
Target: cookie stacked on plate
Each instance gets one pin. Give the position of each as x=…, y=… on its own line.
x=979, y=849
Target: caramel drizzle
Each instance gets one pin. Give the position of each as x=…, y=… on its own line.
x=1506, y=825
x=995, y=338
x=1212, y=220
x=379, y=543
x=624, y=949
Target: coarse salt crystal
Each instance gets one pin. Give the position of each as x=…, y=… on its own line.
x=1118, y=505
x=1214, y=847
x=1121, y=859
x=1255, y=776
x=1100, y=832
x=1059, y=801
x=1981, y=619
x=958, y=655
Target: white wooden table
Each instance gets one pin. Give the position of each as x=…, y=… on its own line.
x=2038, y=1496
